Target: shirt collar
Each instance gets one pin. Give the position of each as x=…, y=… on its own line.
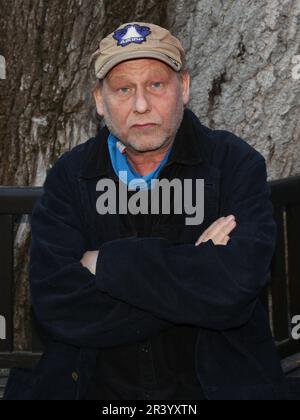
x=187, y=149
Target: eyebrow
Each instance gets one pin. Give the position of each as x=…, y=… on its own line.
x=124, y=78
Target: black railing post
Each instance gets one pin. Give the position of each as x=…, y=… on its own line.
x=6, y=282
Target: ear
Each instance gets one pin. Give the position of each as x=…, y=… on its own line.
x=97, y=92
x=186, y=81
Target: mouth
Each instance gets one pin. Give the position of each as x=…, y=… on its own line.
x=143, y=126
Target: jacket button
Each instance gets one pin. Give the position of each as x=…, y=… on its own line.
x=75, y=376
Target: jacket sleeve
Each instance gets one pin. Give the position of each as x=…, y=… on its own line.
x=215, y=287
x=66, y=301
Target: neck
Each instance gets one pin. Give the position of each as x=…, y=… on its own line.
x=145, y=163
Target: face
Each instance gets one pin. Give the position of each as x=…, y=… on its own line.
x=142, y=102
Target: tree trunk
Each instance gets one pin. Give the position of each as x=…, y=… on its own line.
x=240, y=54
x=46, y=106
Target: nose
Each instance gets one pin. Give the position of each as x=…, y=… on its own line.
x=141, y=103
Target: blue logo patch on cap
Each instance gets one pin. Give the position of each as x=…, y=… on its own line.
x=132, y=34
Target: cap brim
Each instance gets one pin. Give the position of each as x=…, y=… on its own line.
x=121, y=57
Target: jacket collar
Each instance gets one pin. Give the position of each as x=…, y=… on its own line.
x=187, y=149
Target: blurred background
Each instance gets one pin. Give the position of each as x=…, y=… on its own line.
x=244, y=59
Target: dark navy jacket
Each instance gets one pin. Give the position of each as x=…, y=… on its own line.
x=144, y=285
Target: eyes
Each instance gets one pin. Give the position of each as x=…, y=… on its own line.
x=157, y=86
x=124, y=90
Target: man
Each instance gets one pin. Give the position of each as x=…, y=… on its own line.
x=144, y=306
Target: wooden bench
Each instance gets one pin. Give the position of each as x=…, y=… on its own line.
x=282, y=297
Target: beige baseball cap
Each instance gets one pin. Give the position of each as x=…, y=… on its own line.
x=137, y=40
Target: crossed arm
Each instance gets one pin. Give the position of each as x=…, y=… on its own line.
x=208, y=285
x=155, y=284
x=218, y=232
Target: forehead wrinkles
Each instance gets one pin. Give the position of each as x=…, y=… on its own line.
x=139, y=73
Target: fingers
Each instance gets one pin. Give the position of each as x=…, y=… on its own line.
x=89, y=260
x=219, y=236
x=224, y=241
x=218, y=232
x=204, y=234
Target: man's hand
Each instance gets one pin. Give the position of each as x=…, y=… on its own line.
x=89, y=260
x=218, y=232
